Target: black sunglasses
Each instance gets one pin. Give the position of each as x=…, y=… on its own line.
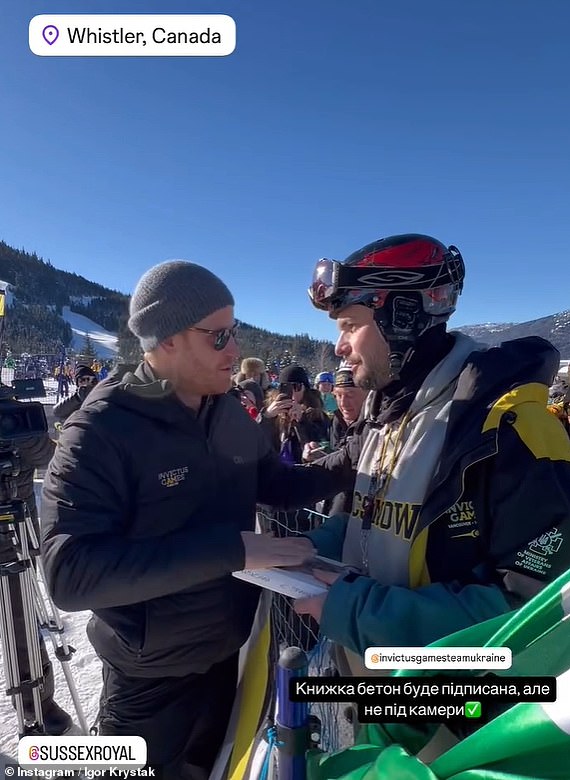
x=222, y=336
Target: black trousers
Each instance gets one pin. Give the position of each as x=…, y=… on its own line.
x=182, y=719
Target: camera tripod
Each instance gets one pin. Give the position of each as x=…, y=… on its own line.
x=19, y=549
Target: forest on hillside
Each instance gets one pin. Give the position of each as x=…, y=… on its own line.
x=41, y=290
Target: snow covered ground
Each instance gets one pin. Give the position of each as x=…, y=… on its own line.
x=86, y=671
x=104, y=342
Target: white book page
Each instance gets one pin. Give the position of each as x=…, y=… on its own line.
x=296, y=582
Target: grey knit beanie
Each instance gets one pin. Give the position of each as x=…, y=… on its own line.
x=174, y=296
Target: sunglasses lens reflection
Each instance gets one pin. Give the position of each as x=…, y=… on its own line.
x=224, y=336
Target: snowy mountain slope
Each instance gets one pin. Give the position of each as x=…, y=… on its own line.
x=104, y=342
x=555, y=328
x=487, y=332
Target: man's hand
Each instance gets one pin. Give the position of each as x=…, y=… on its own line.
x=262, y=551
x=313, y=451
x=313, y=605
x=296, y=411
x=276, y=408
x=327, y=577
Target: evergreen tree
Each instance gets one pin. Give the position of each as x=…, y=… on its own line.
x=88, y=348
x=40, y=291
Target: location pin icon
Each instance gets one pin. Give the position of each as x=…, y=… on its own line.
x=50, y=33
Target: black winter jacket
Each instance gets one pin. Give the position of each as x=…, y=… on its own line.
x=338, y=431
x=142, y=511
x=34, y=452
x=339, y=434
x=64, y=408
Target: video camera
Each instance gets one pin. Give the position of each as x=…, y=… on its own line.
x=19, y=419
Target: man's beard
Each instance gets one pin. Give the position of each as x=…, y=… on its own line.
x=375, y=377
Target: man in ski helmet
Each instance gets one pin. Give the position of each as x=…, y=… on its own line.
x=324, y=382
x=462, y=492
x=410, y=282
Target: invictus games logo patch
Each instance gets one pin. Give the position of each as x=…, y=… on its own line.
x=462, y=520
x=462, y=513
x=173, y=477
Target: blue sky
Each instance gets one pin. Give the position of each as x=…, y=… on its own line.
x=331, y=125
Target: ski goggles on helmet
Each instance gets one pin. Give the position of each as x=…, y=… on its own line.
x=336, y=285
x=324, y=286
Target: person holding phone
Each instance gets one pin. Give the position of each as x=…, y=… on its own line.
x=350, y=400
x=295, y=415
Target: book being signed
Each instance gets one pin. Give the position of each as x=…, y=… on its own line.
x=297, y=582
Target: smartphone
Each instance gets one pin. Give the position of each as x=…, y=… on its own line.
x=286, y=389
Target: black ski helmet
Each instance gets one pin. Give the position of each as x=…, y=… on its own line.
x=411, y=281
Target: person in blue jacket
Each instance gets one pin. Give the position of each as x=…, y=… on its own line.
x=462, y=493
x=324, y=382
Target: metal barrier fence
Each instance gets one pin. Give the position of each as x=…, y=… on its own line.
x=289, y=628
x=32, y=367
x=40, y=366
x=329, y=728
